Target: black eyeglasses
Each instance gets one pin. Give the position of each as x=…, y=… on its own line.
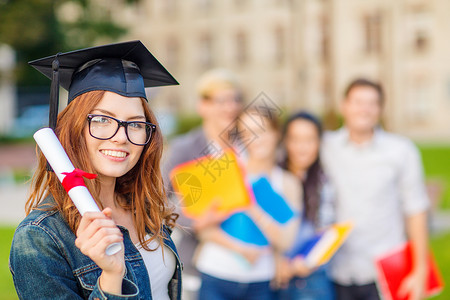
x=105, y=127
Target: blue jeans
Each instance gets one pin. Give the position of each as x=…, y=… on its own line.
x=213, y=288
x=316, y=286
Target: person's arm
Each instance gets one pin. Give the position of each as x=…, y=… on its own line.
x=415, y=204
x=217, y=235
x=414, y=283
x=41, y=270
x=281, y=236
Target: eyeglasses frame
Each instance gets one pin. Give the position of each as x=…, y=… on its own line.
x=123, y=124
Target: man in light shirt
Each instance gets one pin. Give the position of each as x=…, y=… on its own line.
x=379, y=183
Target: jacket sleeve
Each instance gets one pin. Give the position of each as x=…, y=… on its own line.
x=41, y=271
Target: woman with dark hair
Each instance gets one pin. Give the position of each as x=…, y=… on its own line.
x=56, y=252
x=301, y=138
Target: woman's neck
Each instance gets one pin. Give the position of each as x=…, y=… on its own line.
x=297, y=171
x=107, y=192
x=213, y=133
x=258, y=166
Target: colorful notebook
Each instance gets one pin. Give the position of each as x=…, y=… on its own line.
x=393, y=267
x=320, y=248
x=211, y=180
x=242, y=227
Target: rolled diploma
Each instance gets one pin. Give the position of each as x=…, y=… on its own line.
x=60, y=162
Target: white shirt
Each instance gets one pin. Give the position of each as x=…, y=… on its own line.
x=377, y=185
x=160, y=269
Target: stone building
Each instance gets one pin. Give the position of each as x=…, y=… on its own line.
x=302, y=53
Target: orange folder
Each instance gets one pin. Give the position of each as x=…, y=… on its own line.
x=393, y=267
x=211, y=181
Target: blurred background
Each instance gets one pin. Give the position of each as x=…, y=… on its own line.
x=299, y=53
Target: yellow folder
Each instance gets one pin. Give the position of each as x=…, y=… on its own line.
x=330, y=241
x=211, y=181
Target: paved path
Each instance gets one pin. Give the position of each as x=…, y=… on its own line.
x=12, y=203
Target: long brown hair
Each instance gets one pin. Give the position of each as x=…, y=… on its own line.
x=315, y=176
x=141, y=190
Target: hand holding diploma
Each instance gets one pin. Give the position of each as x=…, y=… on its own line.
x=71, y=178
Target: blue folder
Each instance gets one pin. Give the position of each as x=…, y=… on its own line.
x=242, y=227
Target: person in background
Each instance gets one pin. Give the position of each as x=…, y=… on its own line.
x=219, y=105
x=58, y=254
x=220, y=259
x=380, y=187
x=301, y=140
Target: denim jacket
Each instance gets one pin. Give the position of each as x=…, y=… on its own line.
x=46, y=264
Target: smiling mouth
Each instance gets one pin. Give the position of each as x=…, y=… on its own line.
x=112, y=153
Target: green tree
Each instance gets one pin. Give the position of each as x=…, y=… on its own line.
x=34, y=30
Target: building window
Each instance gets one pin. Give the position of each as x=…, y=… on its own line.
x=420, y=24
x=241, y=48
x=170, y=7
x=280, y=47
x=173, y=53
x=324, y=38
x=205, y=6
x=421, y=105
x=372, y=33
x=420, y=41
x=205, y=60
x=240, y=4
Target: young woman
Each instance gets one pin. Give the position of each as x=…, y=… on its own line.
x=301, y=137
x=234, y=270
x=58, y=254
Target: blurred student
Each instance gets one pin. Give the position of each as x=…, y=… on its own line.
x=219, y=104
x=301, y=140
x=379, y=185
x=239, y=271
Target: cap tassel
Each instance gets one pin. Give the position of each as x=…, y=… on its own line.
x=54, y=94
x=54, y=98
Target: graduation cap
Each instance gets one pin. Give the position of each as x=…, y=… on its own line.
x=123, y=68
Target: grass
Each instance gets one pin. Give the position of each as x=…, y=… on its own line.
x=436, y=160
x=7, y=290
x=440, y=246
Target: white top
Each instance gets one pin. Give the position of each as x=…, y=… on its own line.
x=377, y=185
x=160, y=269
x=221, y=262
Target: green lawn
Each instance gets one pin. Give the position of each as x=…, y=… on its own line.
x=7, y=291
x=440, y=246
x=436, y=160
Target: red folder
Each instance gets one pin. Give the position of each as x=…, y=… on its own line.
x=393, y=267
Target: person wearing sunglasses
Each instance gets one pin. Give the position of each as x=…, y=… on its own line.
x=107, y=129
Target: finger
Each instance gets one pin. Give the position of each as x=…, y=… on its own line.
x=95, y=226
x=107, y=212
x=87, y=218
x=87, y=244
x=403, y=290
x=99, y=250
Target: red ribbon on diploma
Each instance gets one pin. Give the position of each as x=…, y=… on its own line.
x=75, y=178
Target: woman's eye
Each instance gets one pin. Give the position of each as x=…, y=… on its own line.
x=101, y=120
x=136, y=125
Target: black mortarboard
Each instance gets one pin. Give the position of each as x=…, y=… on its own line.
x=123, y=68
